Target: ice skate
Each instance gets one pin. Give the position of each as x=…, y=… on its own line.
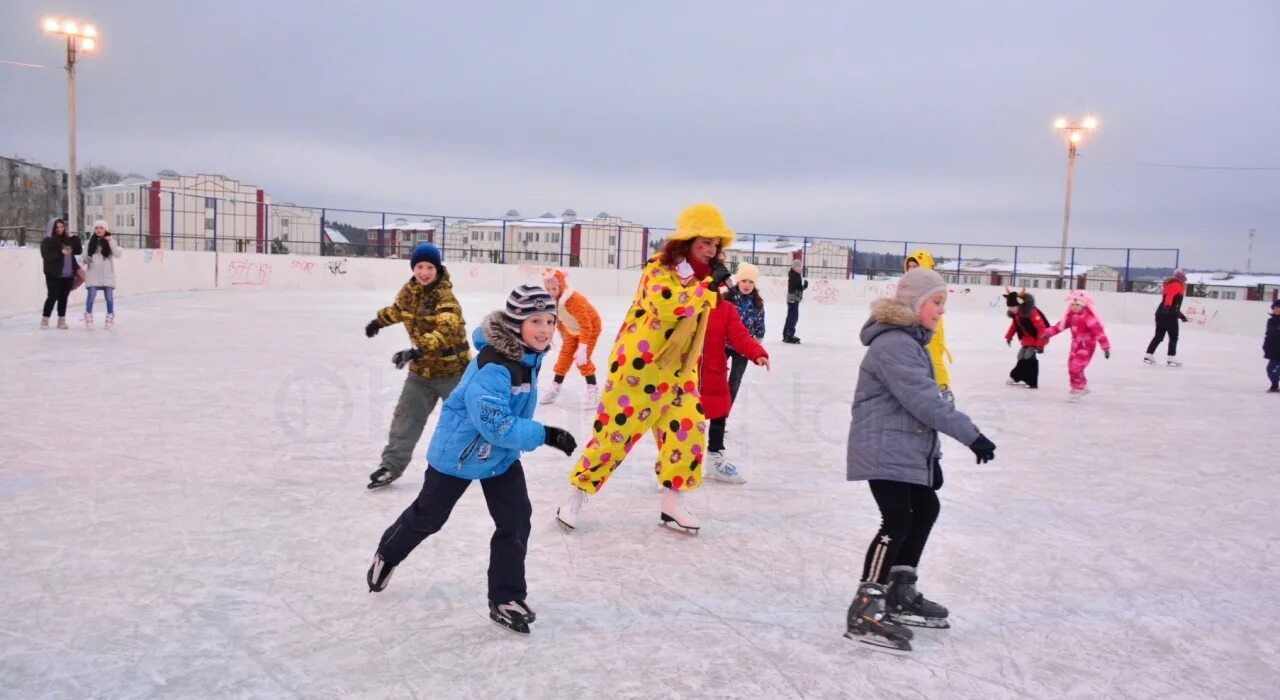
x=1274, y=390
x=62, y=324
x=551, y=394
x=1077, y=394
x=675, y=513
x=510, y=615
x=379, y=574
x=381, y=477
x=1173, y=362
x=868, y=622
x=111, y=321
x=44, y=323
x=592, y=398
x=88, y=321
x=569, y=511
x=907, y=606
x=529, y=614
x=1149, y=359
x=1012, y=382
x=724, y=471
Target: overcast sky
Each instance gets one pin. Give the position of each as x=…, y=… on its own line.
x=816, y=118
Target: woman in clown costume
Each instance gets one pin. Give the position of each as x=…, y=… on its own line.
x=937, y=347
x=653, y=371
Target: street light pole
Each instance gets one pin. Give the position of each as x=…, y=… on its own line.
x=1075, y=134
x=1066, y=213
x=73, y=213
x=79, y=38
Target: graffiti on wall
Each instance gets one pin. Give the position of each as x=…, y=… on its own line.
x=151, y=255
x=338, y=267
x=249, y=274
x=302, y=266
x=1197, y=314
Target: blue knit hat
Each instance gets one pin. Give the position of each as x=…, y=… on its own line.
x=425, y=252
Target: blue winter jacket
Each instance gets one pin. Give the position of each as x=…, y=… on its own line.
x=487, y=420
x=752, y=317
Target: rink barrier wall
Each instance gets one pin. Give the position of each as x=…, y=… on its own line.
x=150, y=271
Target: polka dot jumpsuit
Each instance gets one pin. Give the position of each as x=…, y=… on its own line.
x=640, y=396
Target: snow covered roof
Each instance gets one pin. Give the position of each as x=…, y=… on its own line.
x=1024, y=268
x=409, y=226
x=539, y=222
x=765, y=247
x=1231, y=279
x=335, y=235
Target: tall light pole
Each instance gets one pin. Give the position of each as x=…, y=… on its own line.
x=79, y=38
x=1075, y=134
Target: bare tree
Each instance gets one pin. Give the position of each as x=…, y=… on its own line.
x=94, y=175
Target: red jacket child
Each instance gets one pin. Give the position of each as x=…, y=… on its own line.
x=1030, y=330
x=724, y=328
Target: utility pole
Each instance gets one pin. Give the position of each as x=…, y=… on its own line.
x=1248, y=264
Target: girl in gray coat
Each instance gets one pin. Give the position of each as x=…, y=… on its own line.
x=100, y=262
x=894, y=447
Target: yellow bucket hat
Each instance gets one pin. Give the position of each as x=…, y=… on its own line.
x=702, y=220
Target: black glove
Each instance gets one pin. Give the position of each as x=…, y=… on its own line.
x=806, y=284
x=719, y=273
x=372, y=329
x=1007, y=341
x=404, y=357
x=1106, y=354
x=560, y=439
x=983, y=449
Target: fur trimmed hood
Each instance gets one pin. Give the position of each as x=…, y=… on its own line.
x=890, y=314
x=493, y=331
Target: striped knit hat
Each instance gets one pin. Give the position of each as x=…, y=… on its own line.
x=526, y=301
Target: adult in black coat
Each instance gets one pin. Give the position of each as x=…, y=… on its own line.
x=59, y=250
x=796, y=284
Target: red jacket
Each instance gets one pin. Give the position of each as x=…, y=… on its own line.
x=1031, y=333
x=723, y=328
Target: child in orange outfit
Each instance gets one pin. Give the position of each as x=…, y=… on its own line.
x=579, y=325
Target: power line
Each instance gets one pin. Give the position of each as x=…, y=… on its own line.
x=23, y=65
x=1206, y=167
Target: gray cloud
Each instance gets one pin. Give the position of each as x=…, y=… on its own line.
x=824, y=119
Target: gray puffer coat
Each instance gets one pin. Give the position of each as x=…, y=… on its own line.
x=897, y=410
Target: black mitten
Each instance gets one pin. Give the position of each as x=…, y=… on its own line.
x=719, y=273
x=983, y=449
x=404, y=357
x=560, y=439
x=372, y=329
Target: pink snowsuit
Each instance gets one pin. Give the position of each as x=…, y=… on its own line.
x=1086, y=334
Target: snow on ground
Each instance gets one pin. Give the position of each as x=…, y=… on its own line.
x=183, y=514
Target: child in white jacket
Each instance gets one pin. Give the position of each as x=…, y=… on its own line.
x=100, y=272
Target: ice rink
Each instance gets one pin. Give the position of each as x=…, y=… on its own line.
x=183, y=514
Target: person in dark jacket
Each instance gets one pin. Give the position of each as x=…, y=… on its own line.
x=1029, y=324
x=745, y=295
x=59, y=249
x=486, y=423
x=1168, y=315
x=1271, y=347
x=796, y=284
x=898, y=412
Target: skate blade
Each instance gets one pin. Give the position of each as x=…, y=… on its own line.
x=674, y=525
x=516, y=627
x=935, y=623
x=379, y=484
x=566, y=527
x=880, y=644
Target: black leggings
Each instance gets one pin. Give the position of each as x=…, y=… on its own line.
x=907, y=514
x=715, y=435
x=1165, y=324
x=59, y=288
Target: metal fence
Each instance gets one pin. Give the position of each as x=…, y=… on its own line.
x=156, y=217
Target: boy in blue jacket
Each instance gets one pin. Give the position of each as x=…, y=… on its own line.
x=485, y=425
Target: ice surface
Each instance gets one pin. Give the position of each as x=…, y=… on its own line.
x=183, y=514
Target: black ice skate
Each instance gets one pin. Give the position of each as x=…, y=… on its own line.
x=868, y=622
x=379, y=574
x=381, y=477
x=907, y=606
x=510, y=615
